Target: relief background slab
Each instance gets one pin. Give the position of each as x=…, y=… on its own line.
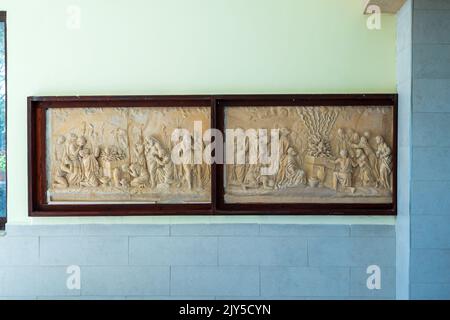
x=115, y=165
x=314, y=136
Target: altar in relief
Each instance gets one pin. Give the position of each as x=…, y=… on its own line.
x=327, y=154
x=120, y=155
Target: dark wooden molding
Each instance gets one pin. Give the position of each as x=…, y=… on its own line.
x=3, y=16
x=37, y=183
x=302, y=208
x=36, y=156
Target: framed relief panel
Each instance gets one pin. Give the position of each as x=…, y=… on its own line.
x=113, y=156
x=320, y=154
x=271, y=155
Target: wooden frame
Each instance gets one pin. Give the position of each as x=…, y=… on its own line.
x=222, y=102
x=37, y=147
x=3, y=220
x=37, y=158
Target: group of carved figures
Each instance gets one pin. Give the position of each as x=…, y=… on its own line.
x=81, y=163
x=77, y=163
x=357, y=163
x=356, y=154
x=289, y=173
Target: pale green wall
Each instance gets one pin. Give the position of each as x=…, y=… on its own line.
x=187, y=46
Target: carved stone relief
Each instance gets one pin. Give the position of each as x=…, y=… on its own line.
x=104, y=155
x=326, y=155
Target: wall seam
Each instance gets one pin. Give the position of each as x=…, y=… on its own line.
x=170, y=280
x=411, y=143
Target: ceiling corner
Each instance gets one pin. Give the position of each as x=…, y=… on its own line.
x=386, y=6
